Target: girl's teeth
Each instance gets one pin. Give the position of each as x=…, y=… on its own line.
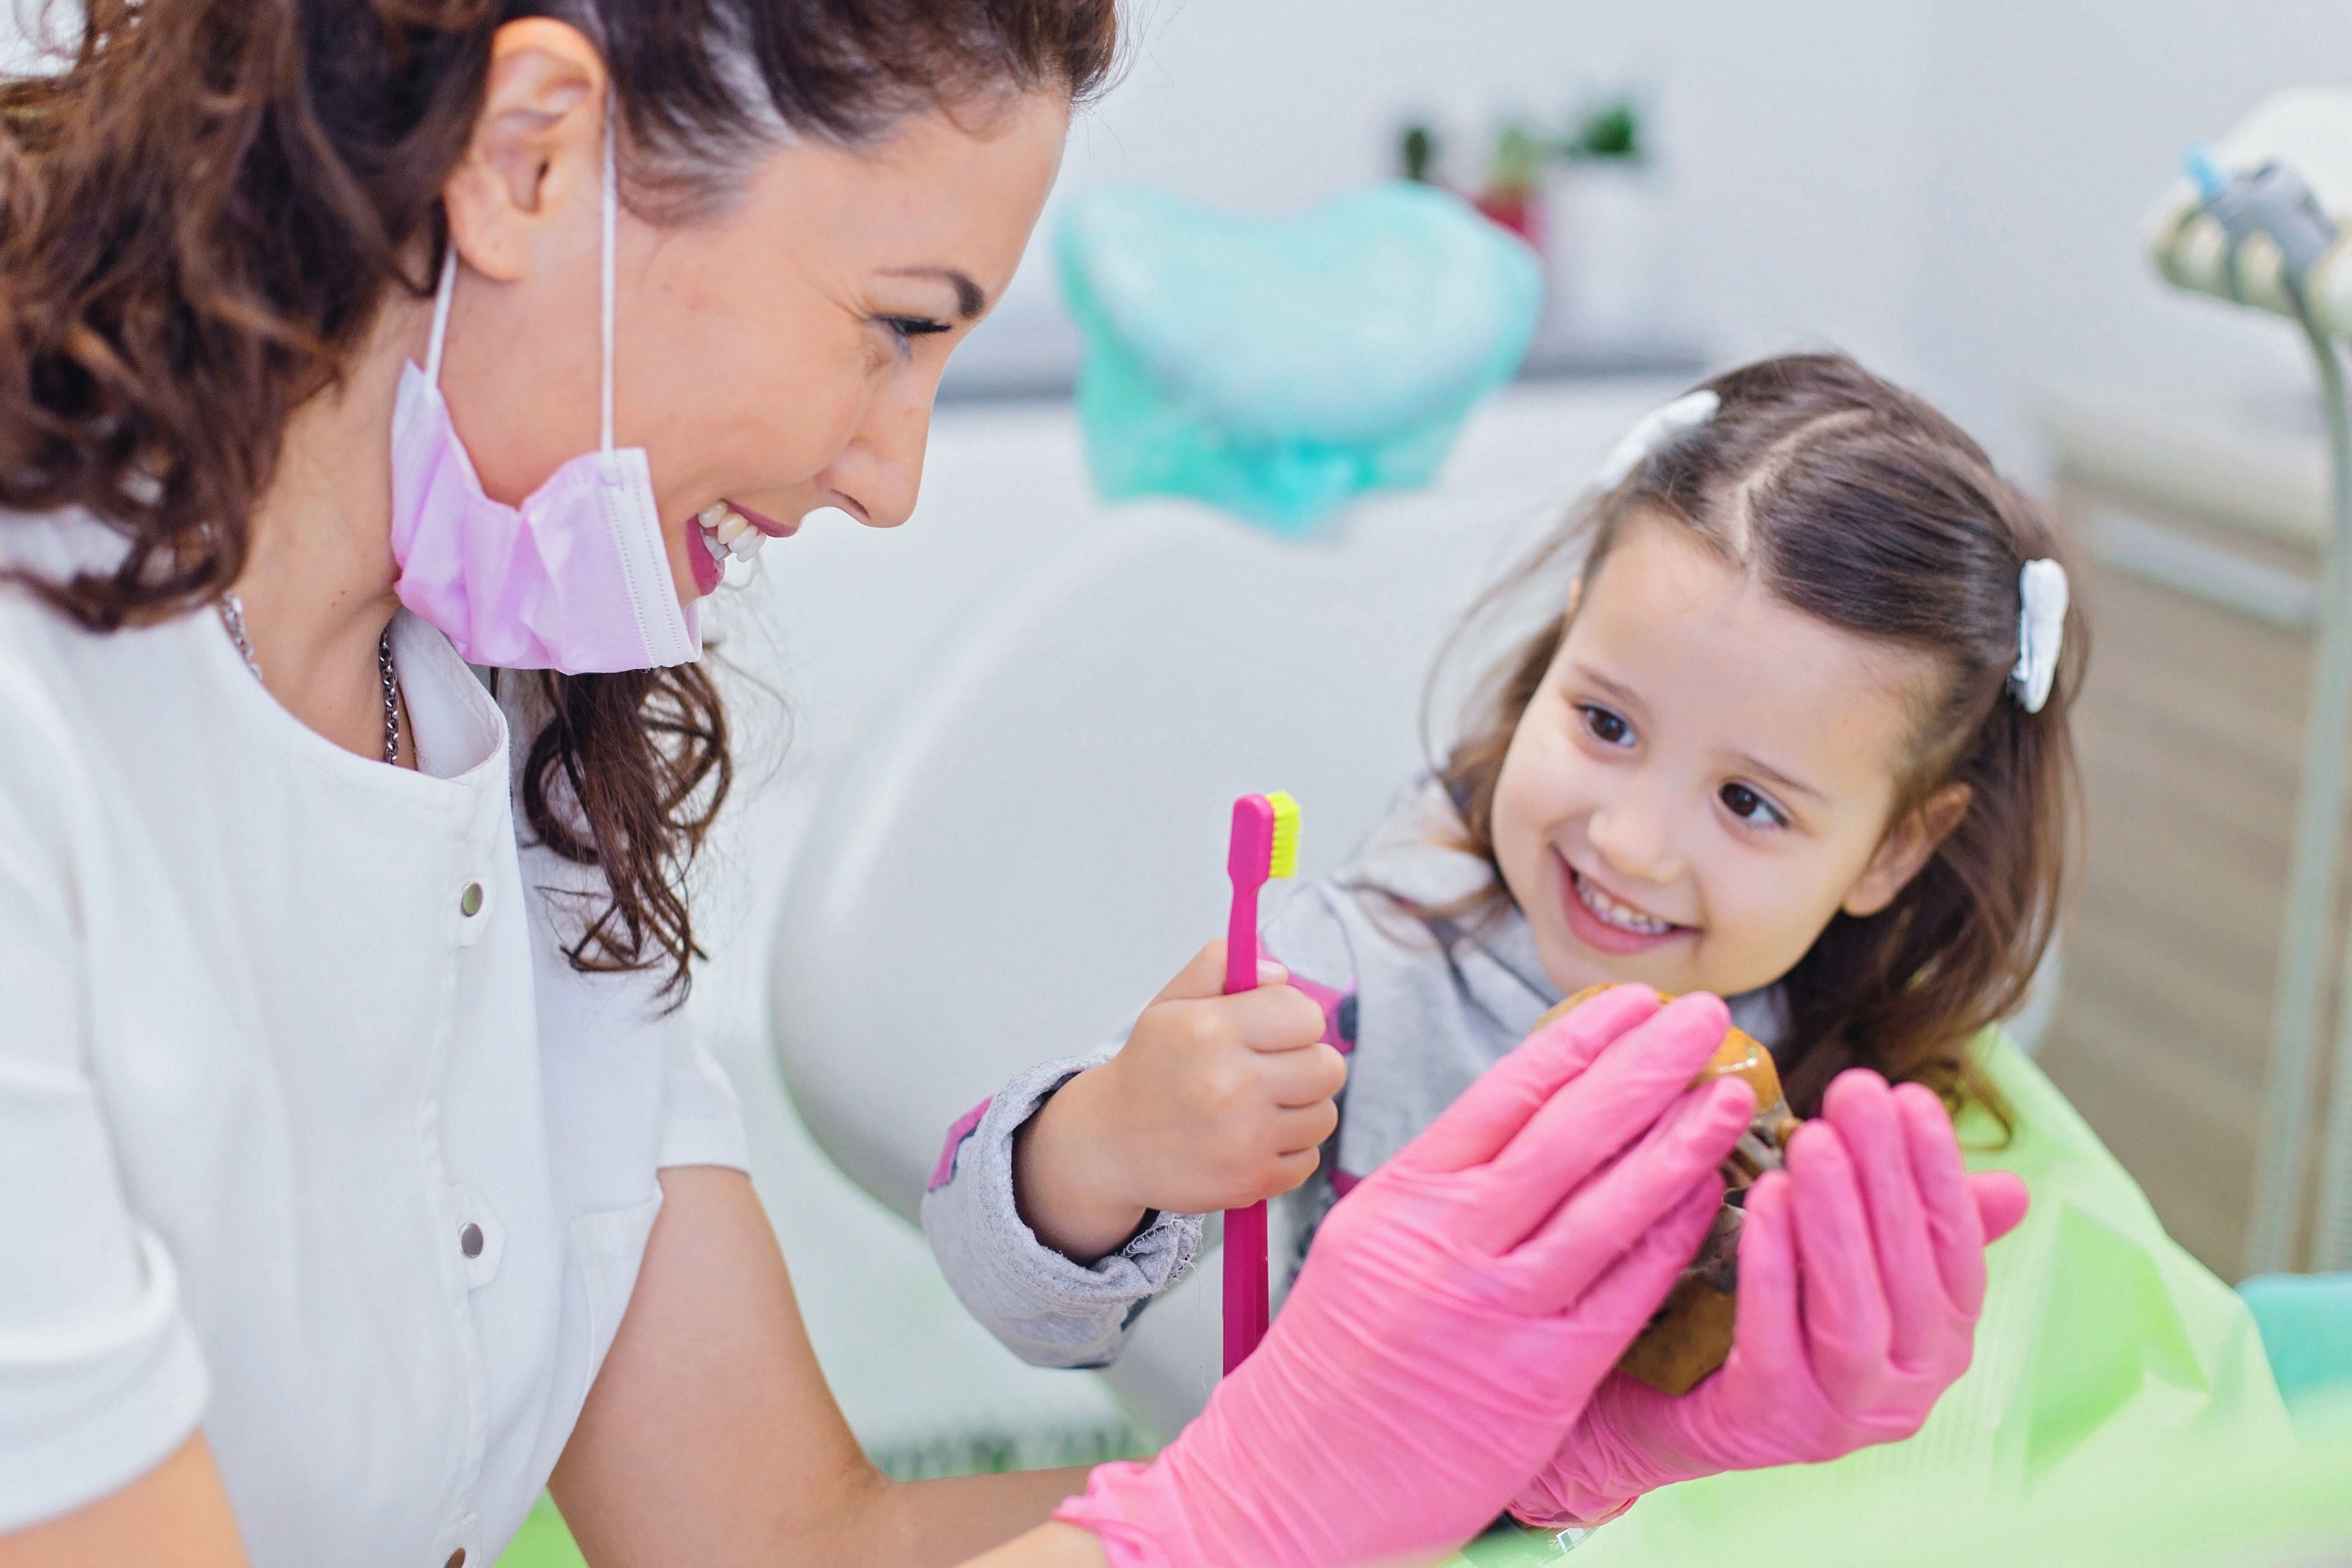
x=731, y=527
x=746, y=544
x=710, y=543
x=1617, y=914
x=712, y=515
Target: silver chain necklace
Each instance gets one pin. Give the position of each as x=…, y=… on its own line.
x=232, y=615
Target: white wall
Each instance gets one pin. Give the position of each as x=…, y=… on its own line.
x=2051, y=128
x=1951, y=189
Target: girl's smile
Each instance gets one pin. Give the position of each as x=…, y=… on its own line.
x=1609, y=924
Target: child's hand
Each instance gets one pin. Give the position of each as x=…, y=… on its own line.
x=1215, y=1102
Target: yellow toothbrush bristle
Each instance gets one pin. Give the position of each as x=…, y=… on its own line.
x=1284, y=861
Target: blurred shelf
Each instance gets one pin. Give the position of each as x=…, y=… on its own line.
x=1597, y=359
x=1042, y=364
x=2246, y=456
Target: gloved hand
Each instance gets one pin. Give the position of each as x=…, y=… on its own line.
x=1861, y=1275
x=1457, y=1310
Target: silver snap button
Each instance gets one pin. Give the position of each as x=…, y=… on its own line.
x=469, y=902
x=469, y=1240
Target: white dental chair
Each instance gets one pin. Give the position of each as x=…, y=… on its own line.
x=1025, y=848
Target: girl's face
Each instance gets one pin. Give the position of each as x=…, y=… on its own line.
x=1704, y=778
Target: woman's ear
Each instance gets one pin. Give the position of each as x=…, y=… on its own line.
x=1905, y=850
x=537, y=152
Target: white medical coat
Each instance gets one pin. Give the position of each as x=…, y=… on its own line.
x=292, y=1145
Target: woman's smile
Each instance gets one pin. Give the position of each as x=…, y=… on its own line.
x=731, y=529
x=763, y=522
x=1606, y=923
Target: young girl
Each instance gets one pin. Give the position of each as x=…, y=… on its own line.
x=1797, y=737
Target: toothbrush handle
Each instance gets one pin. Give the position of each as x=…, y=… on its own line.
x=1247, y=1312
x=1241, y=942
x=1247, y=1309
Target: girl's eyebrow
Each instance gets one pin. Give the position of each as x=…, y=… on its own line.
x=1616, y=690
x=1772, y=775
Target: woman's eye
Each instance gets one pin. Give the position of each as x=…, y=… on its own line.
x=1608, y=729
x=1748, y=807
x=908, y=328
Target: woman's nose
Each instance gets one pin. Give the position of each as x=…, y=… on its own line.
x=882, y=467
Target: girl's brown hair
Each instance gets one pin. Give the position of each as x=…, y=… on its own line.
x=1855, y=501
x=201, y=208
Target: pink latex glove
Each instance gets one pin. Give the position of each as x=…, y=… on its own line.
x=1456, y=1312
x=1862, y=1272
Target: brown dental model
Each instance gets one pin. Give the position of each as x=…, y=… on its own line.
x=1691, y=1334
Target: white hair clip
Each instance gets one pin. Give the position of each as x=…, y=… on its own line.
x=1688, y=412
x=2041, y=632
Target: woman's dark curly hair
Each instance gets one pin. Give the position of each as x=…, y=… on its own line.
x=202, y=206
x=1855, y=501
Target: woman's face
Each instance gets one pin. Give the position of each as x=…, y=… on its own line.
x=780, y=355
x=1704, y=779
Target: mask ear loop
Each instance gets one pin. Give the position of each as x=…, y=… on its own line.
x=442, y=295
x=448, y=290
x=612, y=224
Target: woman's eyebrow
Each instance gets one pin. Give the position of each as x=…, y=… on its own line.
x=971, y=298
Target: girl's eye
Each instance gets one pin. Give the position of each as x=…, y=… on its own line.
x=1608, y=729
x=1748, y=807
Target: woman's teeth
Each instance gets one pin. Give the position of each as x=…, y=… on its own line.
x=1624, y=917
x=727, y=532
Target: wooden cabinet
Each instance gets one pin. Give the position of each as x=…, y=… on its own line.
x=2190, y=730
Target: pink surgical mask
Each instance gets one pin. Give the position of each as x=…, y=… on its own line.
x=577, y=578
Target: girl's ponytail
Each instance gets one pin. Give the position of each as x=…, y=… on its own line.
x=1862, y=506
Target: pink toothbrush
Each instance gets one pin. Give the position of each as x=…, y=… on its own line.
x=1265, y=845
